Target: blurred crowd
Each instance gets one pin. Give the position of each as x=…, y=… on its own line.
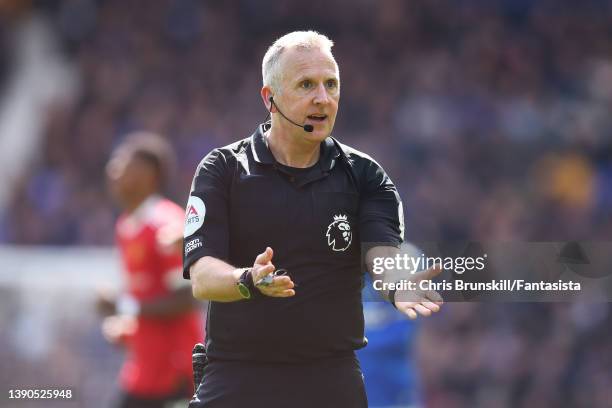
x=492, y=117
x=517, y=355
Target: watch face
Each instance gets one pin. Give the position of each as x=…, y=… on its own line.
x=244, y=291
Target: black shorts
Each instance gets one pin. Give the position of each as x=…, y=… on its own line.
x=330, y=383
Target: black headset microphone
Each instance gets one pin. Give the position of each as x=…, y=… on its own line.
x=307, y=128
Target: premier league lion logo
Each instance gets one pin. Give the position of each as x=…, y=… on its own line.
x=339, y=235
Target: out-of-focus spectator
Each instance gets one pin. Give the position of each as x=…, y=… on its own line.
x=476, y=93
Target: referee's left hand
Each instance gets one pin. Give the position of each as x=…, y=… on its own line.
x=420, y=302
x=281, y=286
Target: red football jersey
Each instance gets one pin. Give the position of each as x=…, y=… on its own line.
x=159, y=352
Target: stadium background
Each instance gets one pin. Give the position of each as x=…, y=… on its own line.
x=492, y=117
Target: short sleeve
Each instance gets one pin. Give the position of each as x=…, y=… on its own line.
x=381, y=216
x=206, y=214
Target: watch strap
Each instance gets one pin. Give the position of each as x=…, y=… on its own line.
x=246, y=286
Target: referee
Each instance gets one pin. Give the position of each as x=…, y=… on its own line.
x=273, y=238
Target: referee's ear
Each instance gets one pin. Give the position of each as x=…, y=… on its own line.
x=266, y=96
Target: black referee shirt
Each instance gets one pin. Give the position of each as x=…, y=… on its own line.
x=315, y=220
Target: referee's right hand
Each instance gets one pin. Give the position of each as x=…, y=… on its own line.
x=282, y=286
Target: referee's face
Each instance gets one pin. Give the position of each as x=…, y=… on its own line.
x=310, y=91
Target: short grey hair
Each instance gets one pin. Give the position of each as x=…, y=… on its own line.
x=305, y=40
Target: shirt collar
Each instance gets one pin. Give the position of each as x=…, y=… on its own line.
x=263, y=155
x=259, y=145
x=143, y=211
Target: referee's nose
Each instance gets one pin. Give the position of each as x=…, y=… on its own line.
x=321, y=95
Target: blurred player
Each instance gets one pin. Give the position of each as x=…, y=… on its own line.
x=156, y=318
x=387, y=362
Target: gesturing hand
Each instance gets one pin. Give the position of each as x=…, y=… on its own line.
x=419, y=302
x=281, y=286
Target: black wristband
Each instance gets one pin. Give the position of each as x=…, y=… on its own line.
x=255, y=293
x=391, y=297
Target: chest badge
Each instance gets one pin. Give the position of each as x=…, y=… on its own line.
x=339, y=235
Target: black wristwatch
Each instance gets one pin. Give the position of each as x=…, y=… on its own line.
x=246, y=286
